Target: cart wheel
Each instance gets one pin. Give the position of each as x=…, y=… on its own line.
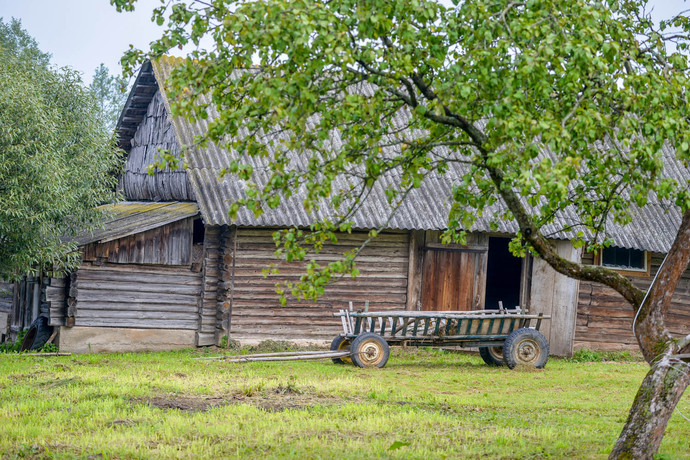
x=341, y=343
x=527, y=347
x=493, y=356
x=370, y=350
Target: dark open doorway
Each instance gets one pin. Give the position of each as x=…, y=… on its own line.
x=504, y=275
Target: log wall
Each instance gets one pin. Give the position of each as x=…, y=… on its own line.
x=154, y=132
x=604, y=318
x=256, y=310
x=207, y=302
x=137, y=296
x=56, y=297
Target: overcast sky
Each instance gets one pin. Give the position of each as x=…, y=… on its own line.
x=83, y=33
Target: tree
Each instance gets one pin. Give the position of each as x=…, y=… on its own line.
x=110, y=94
x=17, y=42
x=57, y=161
x=553, y=107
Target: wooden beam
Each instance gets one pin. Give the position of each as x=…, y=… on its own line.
x=414, y=272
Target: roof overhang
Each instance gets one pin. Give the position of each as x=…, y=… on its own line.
x=140, y=96
x=131, y=217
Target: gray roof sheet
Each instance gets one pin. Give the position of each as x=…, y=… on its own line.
x=425, y=208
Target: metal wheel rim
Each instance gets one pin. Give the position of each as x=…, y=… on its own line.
x=371, y=352
x=496, y=353
x=345, y=346
x=528, y=351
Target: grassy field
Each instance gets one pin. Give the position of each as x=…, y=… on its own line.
x=424, y=404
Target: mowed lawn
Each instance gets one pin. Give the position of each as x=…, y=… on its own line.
x=425, y=404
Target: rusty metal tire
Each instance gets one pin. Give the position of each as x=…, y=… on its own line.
x=526, y=347
x=370, y=350
x=493, y=356
x=341, y=343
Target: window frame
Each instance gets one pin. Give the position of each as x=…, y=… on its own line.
x=634, y=272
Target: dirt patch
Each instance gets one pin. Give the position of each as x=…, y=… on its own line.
x=187, y=403
x=277, y=399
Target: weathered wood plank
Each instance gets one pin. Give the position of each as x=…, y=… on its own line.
x=115, y=322
x=383, y=281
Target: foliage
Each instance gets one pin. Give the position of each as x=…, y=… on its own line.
x=13, y=347
x=588, y=356
x=56, y=159
x=445, y=405
x=48, y=348
x=110, y=94
x=550, y=108
x=15, y=41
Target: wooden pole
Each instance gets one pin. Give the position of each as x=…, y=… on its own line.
x=264, y=355
x=323, y=355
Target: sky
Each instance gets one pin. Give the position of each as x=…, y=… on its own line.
x=84, y=33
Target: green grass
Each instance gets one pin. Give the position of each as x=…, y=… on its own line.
x=424, y=404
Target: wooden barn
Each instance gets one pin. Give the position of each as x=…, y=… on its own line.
x=171, y=270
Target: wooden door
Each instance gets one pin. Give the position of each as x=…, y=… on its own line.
x=453, y=279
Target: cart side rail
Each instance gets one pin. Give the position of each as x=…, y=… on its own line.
x=402, y=325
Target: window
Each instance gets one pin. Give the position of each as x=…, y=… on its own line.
x=624, y=259
x=198, y=232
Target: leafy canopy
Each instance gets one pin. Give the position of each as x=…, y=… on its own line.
x=56, y=158
x=110, y=94
x=546, y=106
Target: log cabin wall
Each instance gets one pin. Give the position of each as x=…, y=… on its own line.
x=256, y=310
x=153, y=133
x=148, y=280
x=604, y=318
x=206, y=334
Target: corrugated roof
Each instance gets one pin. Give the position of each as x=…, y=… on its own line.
x=425, y=208
x=130, y=217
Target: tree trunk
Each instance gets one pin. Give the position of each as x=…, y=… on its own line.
x=652, y=408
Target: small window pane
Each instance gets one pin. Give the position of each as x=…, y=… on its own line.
x=623, y=258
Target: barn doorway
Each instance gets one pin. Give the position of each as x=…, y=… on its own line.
x=504, y=275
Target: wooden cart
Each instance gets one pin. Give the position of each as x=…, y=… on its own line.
x=502, y=336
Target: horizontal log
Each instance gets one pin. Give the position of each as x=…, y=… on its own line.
x=254, y=271
x=204, y=339
x=141, y=297
x=58, y=282
x=135, y=268
x=142, y=286
x=55, y=294
x=86, y=313
x=272, y=298
x=264, y=258
x=149, y=324
x=150, y=307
